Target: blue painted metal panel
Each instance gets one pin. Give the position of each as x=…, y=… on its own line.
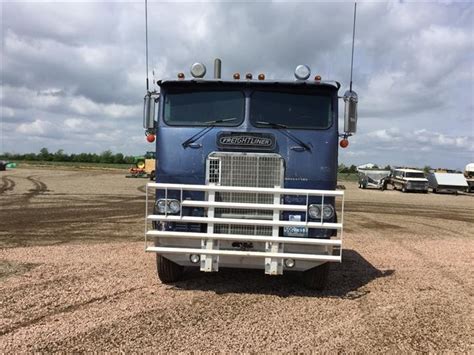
x=315, y=169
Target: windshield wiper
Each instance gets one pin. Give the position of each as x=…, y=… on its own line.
x=284, y=129
x=209, y=126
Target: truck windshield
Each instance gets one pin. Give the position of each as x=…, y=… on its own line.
x=415, y=175
x=293, y=110
x=198, y=108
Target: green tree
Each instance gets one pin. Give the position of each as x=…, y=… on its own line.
x=118, y=158
x=59, y=155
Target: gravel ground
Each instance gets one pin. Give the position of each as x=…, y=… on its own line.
x=74, y=277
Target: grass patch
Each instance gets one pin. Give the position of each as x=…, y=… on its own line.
x=347, y=177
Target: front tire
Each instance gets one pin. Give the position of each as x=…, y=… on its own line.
x=317, y=277
x=168, y=271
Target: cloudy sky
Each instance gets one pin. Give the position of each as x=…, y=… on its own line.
x=73, y=74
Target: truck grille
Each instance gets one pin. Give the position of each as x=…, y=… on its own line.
x=247, y=170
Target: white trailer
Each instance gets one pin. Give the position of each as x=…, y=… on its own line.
x=469, y=175
x=448, y=182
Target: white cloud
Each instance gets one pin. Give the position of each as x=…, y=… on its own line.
x=70, y=67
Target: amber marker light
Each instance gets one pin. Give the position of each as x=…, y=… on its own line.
x=180, y=76
x=317, y=78
x=236, y=76
x=344, y=143
x=248, y=76
x=261, y=76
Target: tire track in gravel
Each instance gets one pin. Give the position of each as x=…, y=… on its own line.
x=72, y=220
x=39, y=188
x=67, y=309
x=7, y=184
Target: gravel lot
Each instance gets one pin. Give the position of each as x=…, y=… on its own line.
x=74, y=277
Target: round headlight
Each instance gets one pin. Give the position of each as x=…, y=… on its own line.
x=160, y=206
x=174, y=206
x=198, y=70
x=302, y=72
x=328, y=212
x=314, y=211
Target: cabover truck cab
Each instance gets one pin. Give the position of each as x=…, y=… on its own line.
x=246, y=174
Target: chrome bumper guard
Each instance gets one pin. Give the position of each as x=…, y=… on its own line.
x=274, y=253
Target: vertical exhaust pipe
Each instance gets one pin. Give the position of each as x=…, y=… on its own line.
x=217, y=68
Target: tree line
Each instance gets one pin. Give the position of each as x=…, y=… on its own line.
x=107, y=157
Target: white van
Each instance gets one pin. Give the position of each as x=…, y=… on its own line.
x=409, y=180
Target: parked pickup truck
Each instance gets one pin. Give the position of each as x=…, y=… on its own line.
x=408, y=180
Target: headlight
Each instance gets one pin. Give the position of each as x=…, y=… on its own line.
x=160, y=206
x=168, y=206
x=174, y=206
x=328, y=212
x=314, y=211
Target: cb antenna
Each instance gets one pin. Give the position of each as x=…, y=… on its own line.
x=146, y=44
x=353, y=39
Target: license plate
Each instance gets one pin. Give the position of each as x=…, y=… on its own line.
x=295, y=231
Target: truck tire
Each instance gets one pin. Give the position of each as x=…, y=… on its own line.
x=152, y=175
x=168, y=271
x=317, y=277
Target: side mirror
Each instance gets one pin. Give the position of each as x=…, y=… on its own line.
x=350, y=112
x=149, y=112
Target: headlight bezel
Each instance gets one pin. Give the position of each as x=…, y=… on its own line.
x=163, y=206
x=316, y=210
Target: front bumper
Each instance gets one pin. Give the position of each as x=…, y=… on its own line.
x=259, y=251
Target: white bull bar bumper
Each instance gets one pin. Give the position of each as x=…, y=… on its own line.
x=272, y=255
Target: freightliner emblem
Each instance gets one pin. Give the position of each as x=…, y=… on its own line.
x=250, y=141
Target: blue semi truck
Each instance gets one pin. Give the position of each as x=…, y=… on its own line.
x=246, y=173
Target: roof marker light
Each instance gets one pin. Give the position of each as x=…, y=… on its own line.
x=181, y=76
x=236, y=76
x=248, y=76
x=302, y=72
x=317, y=78
x=261, y=76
